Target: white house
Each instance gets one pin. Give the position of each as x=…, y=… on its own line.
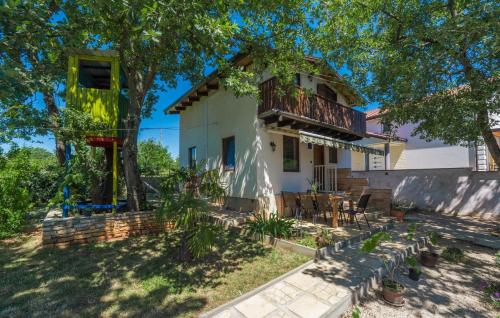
x=281, y=143
x=404, y=151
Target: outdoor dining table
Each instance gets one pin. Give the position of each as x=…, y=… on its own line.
x=335, y=206
x=335, y=209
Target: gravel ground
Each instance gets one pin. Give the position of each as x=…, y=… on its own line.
x=449, y=290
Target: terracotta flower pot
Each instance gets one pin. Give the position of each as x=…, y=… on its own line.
x=398, y=214
x=393, y=292
x=428, y=259
x=414, y=274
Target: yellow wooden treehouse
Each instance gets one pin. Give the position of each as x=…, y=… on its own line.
x=97, y=86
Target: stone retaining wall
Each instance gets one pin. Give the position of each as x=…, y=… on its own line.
x=57, y=231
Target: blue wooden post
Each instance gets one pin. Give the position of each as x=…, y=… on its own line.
x=66, y=188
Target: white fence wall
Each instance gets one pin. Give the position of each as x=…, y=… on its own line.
x=458, y=191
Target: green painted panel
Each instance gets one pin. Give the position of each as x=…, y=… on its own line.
x=101, y=104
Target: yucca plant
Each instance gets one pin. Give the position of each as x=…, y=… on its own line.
x=185, y=195
x=274, y=226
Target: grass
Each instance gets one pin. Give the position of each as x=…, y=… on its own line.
x=139, y=277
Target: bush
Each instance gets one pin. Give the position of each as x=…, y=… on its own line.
x=453, y=254
x=274, y=226
x=14, y=203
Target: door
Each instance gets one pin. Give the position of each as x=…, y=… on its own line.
x=319, y=166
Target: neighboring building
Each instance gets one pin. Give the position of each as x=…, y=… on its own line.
x=280, y=144
x=411, y=152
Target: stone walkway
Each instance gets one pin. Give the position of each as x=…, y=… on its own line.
x=325, y=288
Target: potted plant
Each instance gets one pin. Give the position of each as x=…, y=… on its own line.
x=400, y=208
x=392, y=289
x=429, y=258
x=414, y=269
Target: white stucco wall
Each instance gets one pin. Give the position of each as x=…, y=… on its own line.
x=213, y=118
x=259, y=171
x=417, y=153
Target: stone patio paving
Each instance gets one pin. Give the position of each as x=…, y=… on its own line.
x=328, y=287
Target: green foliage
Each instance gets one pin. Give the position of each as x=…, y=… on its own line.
x=273, y=226
x=324, y=238
x=405, y=55
x=370, y=244
x=183, y=205
x=433, y=238
x=154, y=159
x=356, y=312
x=308, y=241
x=453, y=254
x=412, y=262
x=410, y=232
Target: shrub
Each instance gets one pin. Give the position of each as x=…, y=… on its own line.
x=15, y=203
x=274, y=226
x=453, y=254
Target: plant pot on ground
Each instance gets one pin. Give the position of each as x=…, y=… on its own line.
x=398, y=214
x=414, y=269
x=392, y=291
x=429, y=258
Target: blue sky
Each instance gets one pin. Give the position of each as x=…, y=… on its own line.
x=168, y=136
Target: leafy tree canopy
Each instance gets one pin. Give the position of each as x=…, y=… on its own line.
x=433, y=63
x=154, y=159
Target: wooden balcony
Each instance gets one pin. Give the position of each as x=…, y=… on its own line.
x=310, y=112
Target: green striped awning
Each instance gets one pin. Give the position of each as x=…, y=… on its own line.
x=310, y=138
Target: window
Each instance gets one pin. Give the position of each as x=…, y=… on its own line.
x=228, y=153
x=94, y=74
x=290, y=154
x=332, y=155
x=326, y=92
x=192, y=157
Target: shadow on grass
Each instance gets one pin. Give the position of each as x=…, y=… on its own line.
x=136, y=277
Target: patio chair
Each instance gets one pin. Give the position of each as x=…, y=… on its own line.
x=308, y=206
x=360, y=209
x=323, y=204
x=292, y=201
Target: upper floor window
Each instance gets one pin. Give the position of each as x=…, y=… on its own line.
x=94, y=74
x=192, y=157
x=228, y=153
x=290, y=154
x=324, y=91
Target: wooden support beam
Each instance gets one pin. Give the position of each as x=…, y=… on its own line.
x=284, y=122
x=270, y=120
x=186, y=103
x=194, y=98
x=180, y=108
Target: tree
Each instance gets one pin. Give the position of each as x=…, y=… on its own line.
x=432, y=63
x=161, y=41
x=154, y=159
x=34, y=42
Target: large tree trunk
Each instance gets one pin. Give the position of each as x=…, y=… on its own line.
x=488, y=137
x=53, y=113
x=132, y=177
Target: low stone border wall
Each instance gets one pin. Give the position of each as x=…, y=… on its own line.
x=57, y=231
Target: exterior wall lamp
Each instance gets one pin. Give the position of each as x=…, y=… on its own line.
x=273, y=146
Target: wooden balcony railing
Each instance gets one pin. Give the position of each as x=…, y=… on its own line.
x=311, y=106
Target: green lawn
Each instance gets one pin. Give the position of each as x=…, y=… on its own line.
x=139, y=277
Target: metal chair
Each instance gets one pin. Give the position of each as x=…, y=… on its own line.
x=323, y=204
x=307, y=204
x=360, y=209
